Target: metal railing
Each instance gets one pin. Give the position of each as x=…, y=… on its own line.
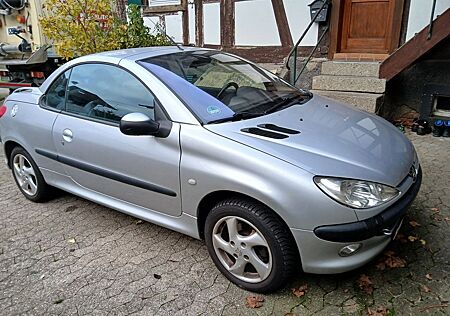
x=294, y=51
x=430, y=26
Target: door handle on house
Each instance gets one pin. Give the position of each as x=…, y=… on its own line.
x=67, y=135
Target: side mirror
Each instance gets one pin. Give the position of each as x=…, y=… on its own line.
x=138, y=124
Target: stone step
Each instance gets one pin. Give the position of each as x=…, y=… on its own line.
x=348, y=68
x=365, y=101
x=275, y=68
x=349, y=83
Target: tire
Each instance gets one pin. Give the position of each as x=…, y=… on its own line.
x=26, y=172
x=260, y=235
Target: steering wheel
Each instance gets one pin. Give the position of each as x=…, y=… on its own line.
x=225, y=88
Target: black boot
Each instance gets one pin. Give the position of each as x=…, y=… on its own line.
x=438, y=128
x=446, y=132
x=423, y=128
x=414, y=126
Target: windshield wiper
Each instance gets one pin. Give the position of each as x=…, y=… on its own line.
x=285, y=102
x=237, y=117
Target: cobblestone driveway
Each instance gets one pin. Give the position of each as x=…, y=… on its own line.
x=71, y=256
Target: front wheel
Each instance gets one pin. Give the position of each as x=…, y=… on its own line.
x=250, y=245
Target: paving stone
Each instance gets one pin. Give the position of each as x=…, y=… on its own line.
x=112, y=266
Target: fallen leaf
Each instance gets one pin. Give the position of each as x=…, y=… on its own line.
x=447, y=218
x=401, y=238
x=380, y=311
x=414, y=224
x=423, y=242
x=365, y=284
x=139, y=221
x=428, y=276
x=390, y=260
x=289, y=314
x=157, y=276
x=412, y=238
x=435, y=210
x=395, y=262
x=254, y=301
x=300, y=291
x=426, y=289
x=381, y=266
x=442, y=305
x=71, y=240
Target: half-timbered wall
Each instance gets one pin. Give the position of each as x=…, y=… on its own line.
x=255, y=28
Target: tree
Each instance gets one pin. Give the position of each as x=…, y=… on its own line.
x=81, y=27
x=139, y=35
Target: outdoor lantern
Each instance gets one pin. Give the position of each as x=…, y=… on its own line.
x=315, y=6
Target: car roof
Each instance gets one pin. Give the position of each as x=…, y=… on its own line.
x=142, y=52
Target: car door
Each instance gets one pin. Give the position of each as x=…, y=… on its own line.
x=142, y=170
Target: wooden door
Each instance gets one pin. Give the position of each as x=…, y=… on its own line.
x=370, y=26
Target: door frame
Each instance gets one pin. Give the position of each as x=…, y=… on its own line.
x=336, y=21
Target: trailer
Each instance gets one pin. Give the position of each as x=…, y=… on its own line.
x=26, y=55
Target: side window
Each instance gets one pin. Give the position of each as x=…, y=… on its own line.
x=107, y=93
x=56, y=93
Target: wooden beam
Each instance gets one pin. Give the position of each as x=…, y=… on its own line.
x=164, y=9
x=199, y=39
x=227, y=26
x=264, y=54
x=335, y=27
x=396, y=25
x=185, y=22
x=417, y=47
x=282, y=23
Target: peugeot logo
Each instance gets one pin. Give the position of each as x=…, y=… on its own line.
x=413, y=173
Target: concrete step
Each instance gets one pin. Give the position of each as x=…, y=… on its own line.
x=349, y=83
x=364, y=101
x=275, y=68
x=348, y=68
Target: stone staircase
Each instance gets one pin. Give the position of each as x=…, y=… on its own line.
x=354, y=83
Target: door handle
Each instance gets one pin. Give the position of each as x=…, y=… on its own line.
x=67, y=135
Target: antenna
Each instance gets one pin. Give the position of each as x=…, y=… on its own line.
x=171, y=40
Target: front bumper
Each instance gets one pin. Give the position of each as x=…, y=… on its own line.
x=319, y=248
x=384, y=223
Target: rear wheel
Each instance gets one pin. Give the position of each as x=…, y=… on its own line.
x=28, y=177
x=250, y=245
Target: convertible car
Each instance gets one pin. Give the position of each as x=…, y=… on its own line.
x=275, y=179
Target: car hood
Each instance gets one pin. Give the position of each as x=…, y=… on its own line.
x=334, y=140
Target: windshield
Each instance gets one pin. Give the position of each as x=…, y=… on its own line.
x=225, y=87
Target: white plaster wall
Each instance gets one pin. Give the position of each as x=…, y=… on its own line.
x=420, y=12
x=163, y=2
x=255, y=23
x=191, y=15
x=174, y=27
x=211, y=23
x=151, y=22
x=298, y=16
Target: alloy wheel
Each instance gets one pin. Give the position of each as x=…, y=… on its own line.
x=242, y=249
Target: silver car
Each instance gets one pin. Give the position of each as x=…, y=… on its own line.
x=273, y=178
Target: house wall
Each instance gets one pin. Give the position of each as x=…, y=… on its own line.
x=409, y=87
x=419, y=15
x=254, y=22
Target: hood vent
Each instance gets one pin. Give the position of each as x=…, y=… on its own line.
x=280, y=129
x=265, y=133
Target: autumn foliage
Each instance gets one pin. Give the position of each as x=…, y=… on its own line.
x=81, y=27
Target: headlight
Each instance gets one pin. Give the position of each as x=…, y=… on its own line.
x=356, y=193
